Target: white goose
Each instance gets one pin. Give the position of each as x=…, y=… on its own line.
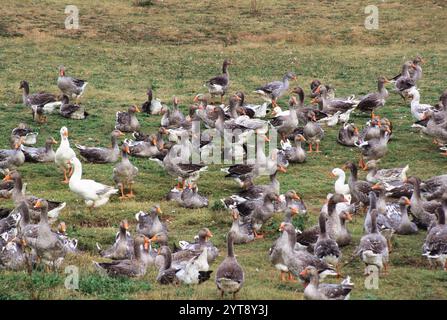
x=64, y=153
x=417, y=109
x=95, y=194
x=340, y=186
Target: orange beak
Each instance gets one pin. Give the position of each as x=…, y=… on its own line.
x=318, y=90
x=65, y=134
x=196, y=99
x=282, y=169
x=376, y=187
x=281, y=227
x=349, y=216
x=126, y=225
x=137, y=109
x=159, y=210
x=126, y=149
x=54, y=141
x=7, y=178
x=296, y=197
x=209, y=234
x=294, y=211
x=38, y=204
x=154, y=239
x=122, y=134
x=303, y=273
x=407, y=202
x=146, y=243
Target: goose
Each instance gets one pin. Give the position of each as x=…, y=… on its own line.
x=167, y=273
x=373, y=248
x=173, y=118
x=259, y=212
x=423, y=211
x=332, y=106
x=371, y=130
x=196, y=270
x=229, y=274
x=404, y=82
x=243, y=120
x=374, y=149
x=271, y=91
x=146, y=149
x=123, y=247
x=434, y=187
x=340, y=186
x=64, y=153
x=202, y=242
x=70, y=86
x=348, y=135
x=416, y=68
x=101, y=154
x=70, y=244
x=277, y=251
x=47, y=101
x=435, y=127
x=297, y=260
x=94, y=194
x=23, y=130
x=124, y=173
x=392, y=178
x=72, y=111
x=135, y=267
x=326, y=248
x=344, y=237
x=295, y=154
x=302, y=111
x=243, y=232
x=291, y=200
x=18, y=195
x=149, y=224
x=191, y=199
x=13, y=255
x=313, y=132
x=336, y=204
x=435, y=245
x=285, y=124
x=176, y=167
x=48, y=247
x=417, y=109
x=10, y=158
x=253, y=110
x=404, y=226
x=151, y=106
x=127, y=121
x=316, y=291
x=373, y=101
x=383, y=223
x=263, y=165
x=359, y=189
x=219, y=84
x=38, y=113
x=45, y=154
x=11, y=220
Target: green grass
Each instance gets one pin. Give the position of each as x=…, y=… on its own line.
x=123, y=48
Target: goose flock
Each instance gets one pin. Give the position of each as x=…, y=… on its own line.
x=392, y=202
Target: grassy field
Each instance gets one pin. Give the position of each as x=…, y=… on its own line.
x=174, y=46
